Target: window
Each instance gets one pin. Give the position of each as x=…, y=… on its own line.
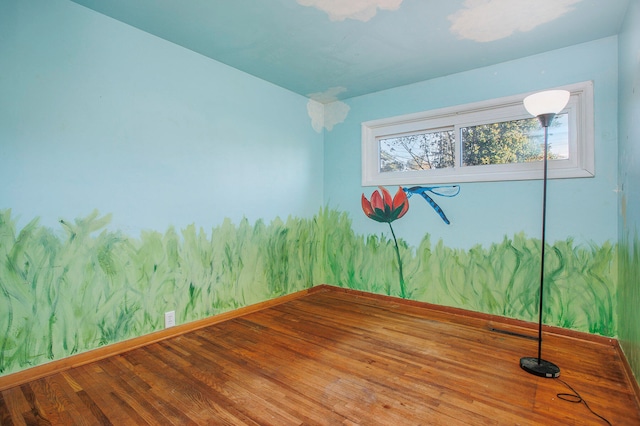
x=487, y=141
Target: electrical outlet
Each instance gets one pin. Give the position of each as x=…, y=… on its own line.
x=169, y=319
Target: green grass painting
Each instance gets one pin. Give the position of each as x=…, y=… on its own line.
x=502, y=279
x=72, y=289
x=628, y=295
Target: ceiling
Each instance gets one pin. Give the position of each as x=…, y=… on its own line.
x=337, y=49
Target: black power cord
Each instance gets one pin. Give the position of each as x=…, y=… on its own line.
x=577, y=399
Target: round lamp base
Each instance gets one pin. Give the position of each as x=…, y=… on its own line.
x=540, y=367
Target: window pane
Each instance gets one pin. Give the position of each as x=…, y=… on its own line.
x=558, y=138
x=423, y=151
x=517, y=141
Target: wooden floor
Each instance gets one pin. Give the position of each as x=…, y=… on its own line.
x=333, y=358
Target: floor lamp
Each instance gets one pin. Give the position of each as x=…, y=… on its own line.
x=544, y=106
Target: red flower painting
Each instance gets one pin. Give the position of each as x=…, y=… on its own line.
x=384, y=208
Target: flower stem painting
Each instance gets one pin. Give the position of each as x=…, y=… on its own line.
x=384, y=208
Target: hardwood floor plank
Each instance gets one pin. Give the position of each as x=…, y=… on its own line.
x=15, y=404
x=36, y=414
x=256, y=389
x=5, y=414
x=96, y=396
x=93, y=407
x=240, y=397
x=177, y=376
x=334, y=358
x=273, y=376
x=136, y=389
x=52, y=400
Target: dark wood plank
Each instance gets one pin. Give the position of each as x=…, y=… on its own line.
x=5, y=414
x=334, y=358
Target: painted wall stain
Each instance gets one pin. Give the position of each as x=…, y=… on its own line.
x=325, y=110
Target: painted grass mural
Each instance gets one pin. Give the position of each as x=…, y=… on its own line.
x=628, y=294
x=82, y=286
x=61, y=295
x=502, y=279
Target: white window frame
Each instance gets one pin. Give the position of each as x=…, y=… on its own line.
x=580, y=164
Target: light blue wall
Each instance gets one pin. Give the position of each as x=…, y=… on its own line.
x=483, y=213
x=95, y=114
x=629, y=281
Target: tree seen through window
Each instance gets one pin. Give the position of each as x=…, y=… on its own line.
x=516, y=141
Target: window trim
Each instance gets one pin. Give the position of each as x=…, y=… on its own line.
x=581, y=163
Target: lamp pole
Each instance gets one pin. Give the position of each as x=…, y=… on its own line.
x=545, y=123
x=544, y=106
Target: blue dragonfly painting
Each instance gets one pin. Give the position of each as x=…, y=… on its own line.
x=443, y=191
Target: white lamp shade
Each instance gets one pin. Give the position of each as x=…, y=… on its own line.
x=548, y=102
